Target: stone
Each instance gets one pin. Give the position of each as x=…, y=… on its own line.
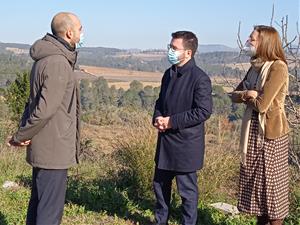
x=10, y=185
x=226, y=208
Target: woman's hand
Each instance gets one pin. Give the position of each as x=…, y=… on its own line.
x=251, y=94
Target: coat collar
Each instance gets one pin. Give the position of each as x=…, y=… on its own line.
x=186, y=67
x=64, y=42
x=64, y=47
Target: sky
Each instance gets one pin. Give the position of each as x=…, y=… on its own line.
x=146, y=24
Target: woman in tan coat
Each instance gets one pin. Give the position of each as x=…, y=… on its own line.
x=263, y=186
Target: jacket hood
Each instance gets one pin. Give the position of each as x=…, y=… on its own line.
x=48, y=46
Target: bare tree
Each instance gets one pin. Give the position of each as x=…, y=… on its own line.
x=291, y=48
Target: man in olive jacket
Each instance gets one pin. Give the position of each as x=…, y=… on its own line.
x=184, y=103
x=50, y=122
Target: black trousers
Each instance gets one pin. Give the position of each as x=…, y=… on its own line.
x=47, y=199
x=188, y=191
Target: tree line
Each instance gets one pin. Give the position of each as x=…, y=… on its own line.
x=97, y=95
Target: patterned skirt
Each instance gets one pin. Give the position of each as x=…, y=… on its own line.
x=264, y=180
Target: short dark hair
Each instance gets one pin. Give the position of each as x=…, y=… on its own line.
x=190, y=41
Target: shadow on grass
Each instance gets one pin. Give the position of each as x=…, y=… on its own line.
x=102, y=195
x=205, y=215
x=3, y=220
x=25, y=181
x=115, y=197
x=105, y=195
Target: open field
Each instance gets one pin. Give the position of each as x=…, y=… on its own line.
x=121, y=74
x=122, y=78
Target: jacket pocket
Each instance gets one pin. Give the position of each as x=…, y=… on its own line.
x=273, y=113
x=65, y=128
x=276, y=124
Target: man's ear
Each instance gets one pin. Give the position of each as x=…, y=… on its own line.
x=69, y=34
x=189, y=53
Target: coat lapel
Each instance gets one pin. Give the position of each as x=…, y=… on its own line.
x=172, y=79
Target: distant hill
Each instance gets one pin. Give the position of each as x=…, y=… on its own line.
x=216, y=48
x=112, y=51
x=212, y=58
x=100, y=50
x=14, y=45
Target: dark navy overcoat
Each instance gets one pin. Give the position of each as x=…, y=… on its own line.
x=185, y=96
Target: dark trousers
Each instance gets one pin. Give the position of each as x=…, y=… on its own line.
x=188, y=191
x=47, y=199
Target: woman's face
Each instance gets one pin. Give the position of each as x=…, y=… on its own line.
x=253, y=39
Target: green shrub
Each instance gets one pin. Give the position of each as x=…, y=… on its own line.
x=135, y=153
x=17, y=95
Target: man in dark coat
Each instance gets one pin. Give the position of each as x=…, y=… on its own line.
x=50, y=122
x=184, y=104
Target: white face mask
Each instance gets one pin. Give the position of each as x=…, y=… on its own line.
x=81, y=41
x=249, y=49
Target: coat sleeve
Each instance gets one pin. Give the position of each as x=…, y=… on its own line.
x=202, y=106
x=238, y=95
x=276, y=79
x=50, y=97
x=158, y=104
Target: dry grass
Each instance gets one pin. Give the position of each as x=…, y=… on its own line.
x=103, y=136
x=121, y=74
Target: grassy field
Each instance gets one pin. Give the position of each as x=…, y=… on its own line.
x=122, y=74
x=122, y=78
x=13, y=204
x=113, y=183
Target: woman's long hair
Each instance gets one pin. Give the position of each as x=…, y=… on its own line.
x=269, y=45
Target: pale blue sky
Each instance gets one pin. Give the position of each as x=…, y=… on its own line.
x=144, y=24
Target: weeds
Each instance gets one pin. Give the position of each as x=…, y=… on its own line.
x=116, y=188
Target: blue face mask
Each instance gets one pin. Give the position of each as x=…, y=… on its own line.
x=81, y=41
x=173, y=56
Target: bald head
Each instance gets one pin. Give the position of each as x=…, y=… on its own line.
x=67, y=26
x=62, y=22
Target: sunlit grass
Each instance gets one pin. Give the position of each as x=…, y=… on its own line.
x=116, y=188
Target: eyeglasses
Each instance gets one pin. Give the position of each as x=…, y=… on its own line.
x=174, y=48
